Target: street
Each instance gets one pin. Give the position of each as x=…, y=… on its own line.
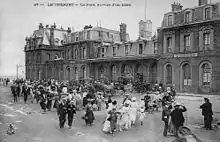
x=33, y=126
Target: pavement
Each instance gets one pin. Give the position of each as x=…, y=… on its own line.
x=34, y=126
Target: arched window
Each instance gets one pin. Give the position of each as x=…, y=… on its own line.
x=76, y=54
x=114, y=72
x=101, y=71
x=75, y=71
x=68, y=73
x=83, y=72
x=56, y=57
x=154, y=73
x=186, y=75
x=206, y=74
x=168, y=74
x=126, y=69
x=138, y=68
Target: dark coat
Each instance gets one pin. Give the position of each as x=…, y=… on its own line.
x=166, y=114
x=206, y=109
x=177, y=116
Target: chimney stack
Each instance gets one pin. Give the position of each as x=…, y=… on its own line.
x=203, y=2
x=176, y=6
x=41, y=26
x=123, y=32
x=52, y=35
x=69, y=30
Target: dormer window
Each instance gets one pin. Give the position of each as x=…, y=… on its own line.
x=77, y=37
x=170, y=20
x=207, y=13
x=126, y=50
x=188, y=16
x=114, y=51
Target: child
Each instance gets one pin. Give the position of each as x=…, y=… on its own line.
x=113, y=120
x=11, y=129
x=141, y=114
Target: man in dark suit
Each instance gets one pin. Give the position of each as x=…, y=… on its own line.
x=207, y=113
x=177, y=116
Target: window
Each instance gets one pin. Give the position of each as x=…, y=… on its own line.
x=114, y=72
x=108, y=35
x=72, y=53
x=84, y=53
x=126, y=69
x=206, y=40
x=155, y=48
x=103, y=52
x=114, y=51
x=76, y=54
x=77, y=36
x=186, y=43
x=126, y=50
x=100, y=35
x=206, y=74
x=112, y=37
x=188, y=16
x=83, y=72
x=170, y=20
x=186, y=75
x=67, y=54
x=169, y=74
x=169, y=44
x=140, y=49
x=48, y=57
x=56, y=56
x=62, y=55
x=207, y=13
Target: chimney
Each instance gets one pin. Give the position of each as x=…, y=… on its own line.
x=176, y=6
x=69, y=30
x=41, y=26
x=52, y=35
x=203, y=2
x=123, y=32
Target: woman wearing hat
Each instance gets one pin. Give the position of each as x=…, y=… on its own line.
x=133, y=112
x=89, y=115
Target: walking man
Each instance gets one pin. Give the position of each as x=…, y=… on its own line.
x=62, y=112
x=165, y=117
x=177, y=116
x=71, y=110
x=207, y=113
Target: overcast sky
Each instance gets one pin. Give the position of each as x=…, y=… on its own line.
x=18, y=19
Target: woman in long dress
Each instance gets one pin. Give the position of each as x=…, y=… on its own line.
x=133, y=112
x=89, y=116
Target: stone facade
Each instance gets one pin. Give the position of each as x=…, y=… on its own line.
x=189, y=49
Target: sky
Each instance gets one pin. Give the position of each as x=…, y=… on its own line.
x=19, y=18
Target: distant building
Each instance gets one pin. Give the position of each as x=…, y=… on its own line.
x=189, y=45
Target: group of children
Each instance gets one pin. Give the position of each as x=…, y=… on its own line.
x=119, y=118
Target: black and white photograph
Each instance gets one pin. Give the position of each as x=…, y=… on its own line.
x=110, y=71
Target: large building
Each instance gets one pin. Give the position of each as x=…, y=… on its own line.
x=189, y=45
x=185, y=51
x=92, y=53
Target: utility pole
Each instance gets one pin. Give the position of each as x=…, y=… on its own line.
x=145, y=11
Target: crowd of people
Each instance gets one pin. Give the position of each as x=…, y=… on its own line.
x=69, y=98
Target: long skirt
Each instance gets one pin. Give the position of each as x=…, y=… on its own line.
x=106, y=126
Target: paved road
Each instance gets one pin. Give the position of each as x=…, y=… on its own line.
x=33, y=126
